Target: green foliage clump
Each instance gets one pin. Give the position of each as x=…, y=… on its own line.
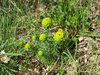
x=68, y=14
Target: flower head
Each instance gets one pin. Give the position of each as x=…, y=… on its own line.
x=46, y=22
x=34, y=37
x=20, y=43
x=58, y=36
x=42, y=37
x=60, y=30
x=27, y=46
x=40, y=53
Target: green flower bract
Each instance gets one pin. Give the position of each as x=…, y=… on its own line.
x=40, y=53
x=42, y=37
x=27, y=46
x=20, y=42
x=59, y=35
x=34, y=37
x=60, y=30
x=46, y=22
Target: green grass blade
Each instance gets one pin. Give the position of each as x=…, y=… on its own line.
x=12, y=54
x=2, y=46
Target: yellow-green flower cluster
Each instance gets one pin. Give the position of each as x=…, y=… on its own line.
x=46, y=22
x=60, y=30
x=20, y=43
x=40, y=53
x=27, y=46
x=59, y=35
x=42, y=37
x=34, y=37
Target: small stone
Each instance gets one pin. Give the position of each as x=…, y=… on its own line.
x=5, y=59
x=20, y=68
x=85, y=60
x=2, y=52
x=81, y=38
x=86, y=48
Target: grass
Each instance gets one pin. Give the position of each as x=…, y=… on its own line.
x=20, y=20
